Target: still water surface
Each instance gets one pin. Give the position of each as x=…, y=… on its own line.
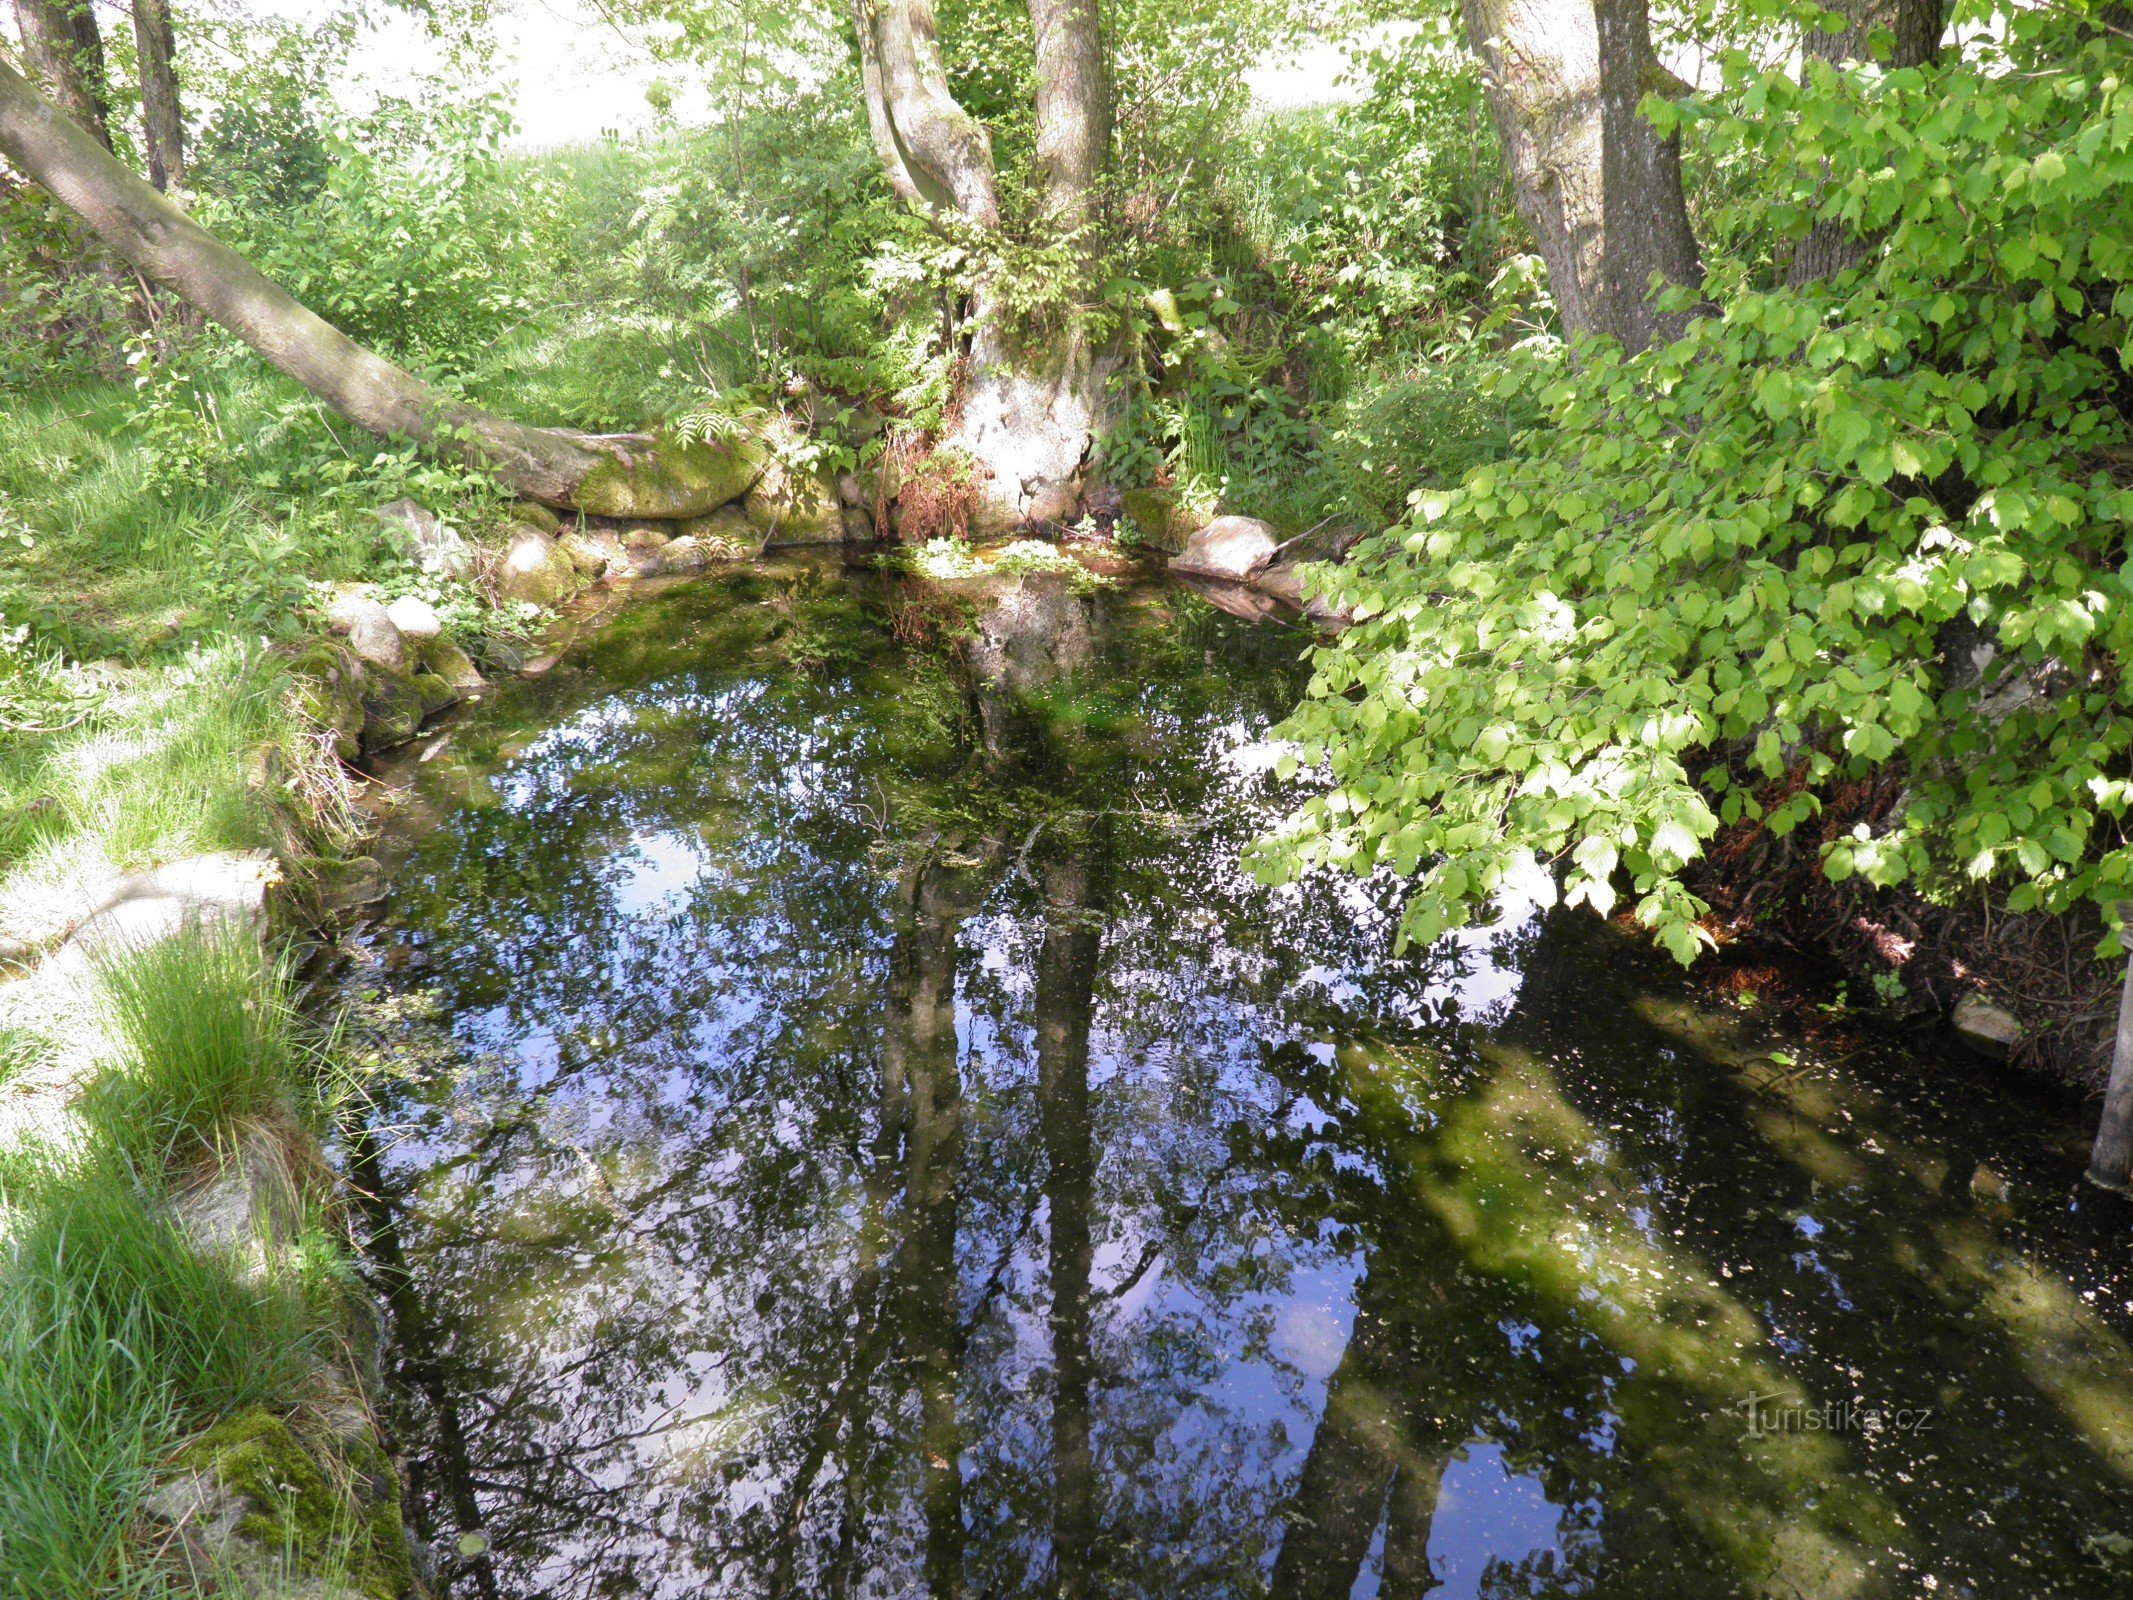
x=859, y=1132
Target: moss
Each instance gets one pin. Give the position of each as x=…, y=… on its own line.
x=435, y=692
x=345, y=1522
x=535, y=515
x=674, y=478
x=392, y=711
x=1164, y=521
x=327, y=689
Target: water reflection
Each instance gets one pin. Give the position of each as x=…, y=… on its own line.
x=862, y=1135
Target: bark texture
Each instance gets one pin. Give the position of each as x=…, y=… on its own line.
x=629, y=475
x=155, y=45
x=1917, y=27
x=1596, y=183
x=64, y=51
x=1027, y=416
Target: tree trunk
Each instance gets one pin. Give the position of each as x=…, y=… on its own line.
x=1594, y=181
x=156, y=45
x=1832, y=246
x=64, y=51
x=1027, y=417
x=618, y=475
x=2111, y=1158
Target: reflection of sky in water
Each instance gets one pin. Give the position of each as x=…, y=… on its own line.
x=1460, y=1215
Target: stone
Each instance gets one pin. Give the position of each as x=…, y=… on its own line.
x=665, y=475
x=851, y=490
x=349, y=605
x=416, y=618
x=326, y=689
x=1162, y=520
x=642, y=537
x=1991, y=1030
x=436, y=694
x=392, y=711
x=793, y=505
x=1228, y=547
x=684, y=555
x=726, y=534
x=436, y=547
x=145, y=908
x=535, y=569
x=587, y=557
x=377, y=643
x=1285, y=584
x=453, y=665
x=536, y=515
x=858, y=526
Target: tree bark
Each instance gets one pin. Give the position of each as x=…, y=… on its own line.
x=617, y=475
x=1833, y=246
x=155, y=45
x=64, y=50
x=1026, y=417
x=1595, y=182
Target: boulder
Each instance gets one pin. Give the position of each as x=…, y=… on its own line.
x=1990, y=1030
x=145, y=908
x=436, y=547
x=588, y=558
x=1161, y=518
x=535, y=515
x=665, y=475
x=643, y=537
x=1285, y=584
x=377, y=641
x=1229, y=547
x=453, y=665
x=437, y=695
x=535, y=569
x=858, y=526
x=793, y=505
x=683, y=555
x=326, y=689
x=416, y=619
x=726, y=534
x=392, y=711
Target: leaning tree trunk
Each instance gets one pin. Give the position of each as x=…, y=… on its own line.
x=623, y=476
x=1029, y=409
x=1833, y=245
x=155, y=44
x=64, y=51
x=1596, y=183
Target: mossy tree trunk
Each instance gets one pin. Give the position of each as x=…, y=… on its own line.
x=1029, y=407
x=613, y=475
x=1597, y=184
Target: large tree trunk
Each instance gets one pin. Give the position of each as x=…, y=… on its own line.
x=1833, y=246
x=1596, y=183
x=623, y=476
x=155, y=44
x=1027, y=416
x=64, y=51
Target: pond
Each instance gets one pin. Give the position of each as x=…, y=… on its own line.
x=857, y=1130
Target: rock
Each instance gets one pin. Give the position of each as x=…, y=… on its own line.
x=684, y=555
x=453, y=665
x=326, y=689
x=535, y=569
x=587, y=558
x=350, y=603
x=726, y=534
x=377, y=642
x=789, y=505
x=145, y=908
x=858, y=526
x=416, y=619
x=643, y=537
x=852, y=492
x=1228, y=547
x=1990, y=1030
x=436, y=547
x=1163, y=520
x=535, y=515
x=392, y=711
x=435, y=692
x=667, y=476
x=1285, y=584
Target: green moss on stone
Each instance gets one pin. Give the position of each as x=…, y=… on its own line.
x=671, y=478
x=1163, y=521
x=435, y=692
x=326, y=687
x=344, y=1523
x=392, y=711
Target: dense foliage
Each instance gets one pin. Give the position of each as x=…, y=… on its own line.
x=1833, y=528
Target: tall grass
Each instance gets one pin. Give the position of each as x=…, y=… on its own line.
x=207, y=1042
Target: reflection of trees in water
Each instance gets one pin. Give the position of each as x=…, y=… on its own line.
x=906, y=1125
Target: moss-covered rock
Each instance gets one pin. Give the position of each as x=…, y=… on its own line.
x=726, y=534
x=536, y=569
x=669, y=477
x=392, y=711
x=435, y=692
x=1164, y=520
x=453, y=665
x=326, y=684
x=791, y=505
x=333, y=1515
x=536, y=515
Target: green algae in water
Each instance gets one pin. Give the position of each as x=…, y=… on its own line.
x=862, y=1133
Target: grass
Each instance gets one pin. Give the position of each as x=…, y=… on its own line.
x=119, y=1338
x=208, y=1043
